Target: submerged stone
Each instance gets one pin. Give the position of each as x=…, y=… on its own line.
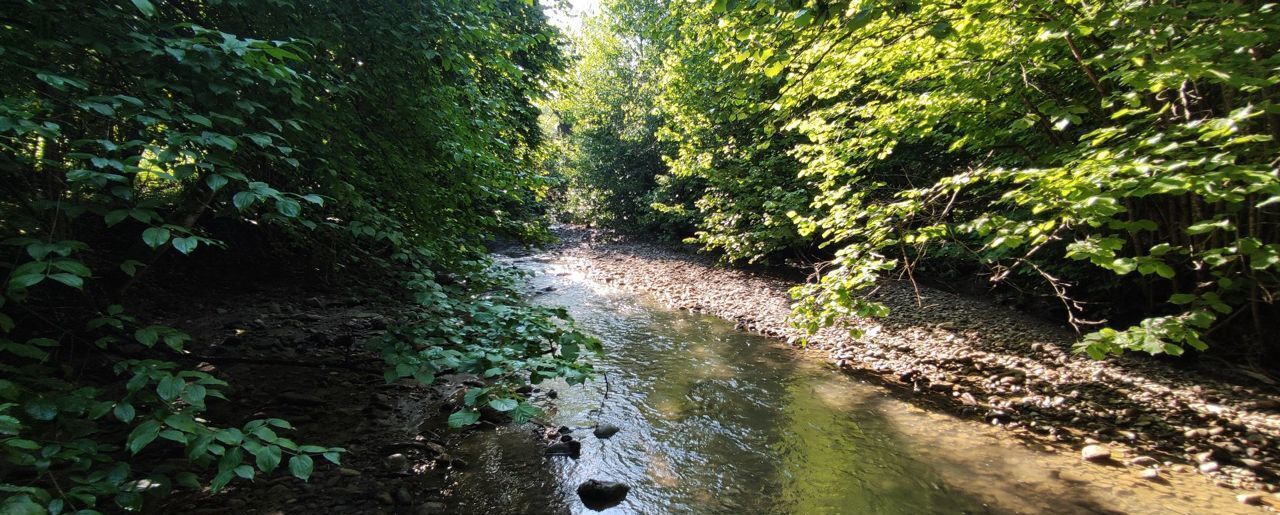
x=606, y=430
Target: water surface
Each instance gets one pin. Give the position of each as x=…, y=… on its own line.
x=719, y=421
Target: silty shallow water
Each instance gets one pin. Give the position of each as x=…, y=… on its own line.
x=718, y=421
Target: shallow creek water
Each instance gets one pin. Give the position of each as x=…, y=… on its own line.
x=719, y=421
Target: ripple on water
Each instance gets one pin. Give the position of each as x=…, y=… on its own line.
x=717, y=421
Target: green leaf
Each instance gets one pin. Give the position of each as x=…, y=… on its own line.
x=186, y=244
x=265, y=433
x=288, y=207
x=182, y=422
x=267, y=458
x=142, y=435
x=244, y=471
x=198, y=119
x=147, y=335
x=221, y=480
x=301, y=466
x=146, y=7
x=524, y=413
x=463, y=418
x=68, y=279
x=155, y=236
x=504, y=404
x=244, y=199
x=25, y=281
x=124, y=412
x=170, y=387
x=216, y=181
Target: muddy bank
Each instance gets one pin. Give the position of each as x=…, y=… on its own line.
x=984, y=361
x=300, y=355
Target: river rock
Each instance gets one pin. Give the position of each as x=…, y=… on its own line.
x=1251, y=499
x=1149, y=474
x=396, y=462
x=571, y=448
x=1095, y=453
x=606, y=430
x=600, y=495
x=1144, y=461
x=1209, y=466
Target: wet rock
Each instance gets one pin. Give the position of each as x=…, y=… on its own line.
x=402, y=496
x=600, y=495
x=605, y=430
x=571, y=448
x=1095, y=453
x=348, y=472
x=494, y=416
x=396, y=462
x=432, y=508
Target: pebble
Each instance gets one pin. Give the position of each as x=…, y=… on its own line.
x=1209, y=466
x=1144, y=461
x=348, y=472
x=1149, y=474
x=1095, y=453
x=396, y=462
x=1251, y=499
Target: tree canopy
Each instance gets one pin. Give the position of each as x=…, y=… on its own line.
x=1118, y=157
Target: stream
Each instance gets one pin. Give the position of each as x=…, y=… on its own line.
x=715, y=420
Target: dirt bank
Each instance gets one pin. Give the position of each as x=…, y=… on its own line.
x=972, y=357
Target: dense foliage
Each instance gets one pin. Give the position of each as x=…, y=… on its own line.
x=381, y=140
x=1118, y=156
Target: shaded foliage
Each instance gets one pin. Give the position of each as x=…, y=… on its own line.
x=382, y=140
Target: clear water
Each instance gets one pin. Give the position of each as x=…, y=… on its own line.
x=718, y=421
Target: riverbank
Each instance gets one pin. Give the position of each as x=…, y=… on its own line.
x=980, y=360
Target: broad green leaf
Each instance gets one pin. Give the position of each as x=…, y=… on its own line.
x=463, y=418
x=301, y=466
x=142, y=435
x=155, y=237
